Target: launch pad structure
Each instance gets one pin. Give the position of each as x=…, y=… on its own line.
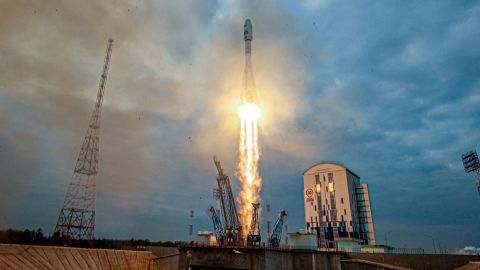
x=229, y=233
x=223, y=193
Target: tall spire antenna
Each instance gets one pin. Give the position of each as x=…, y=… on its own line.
x=76, y=221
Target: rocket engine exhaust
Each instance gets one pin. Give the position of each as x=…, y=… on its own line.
x=249, y=151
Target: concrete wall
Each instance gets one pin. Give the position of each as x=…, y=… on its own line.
x=417, y=261
x=285, y=260
x=221, y=258
x=357, y=264
x=257, y=259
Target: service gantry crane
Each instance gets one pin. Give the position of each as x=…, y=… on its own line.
x=217, y=224
x=233, y=227
x=277, y=230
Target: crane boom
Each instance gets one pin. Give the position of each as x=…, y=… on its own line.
x=277, y=230
x=224, y=193
x=217, y=224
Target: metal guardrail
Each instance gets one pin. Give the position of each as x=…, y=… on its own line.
x=232, y=245
x=384, y=250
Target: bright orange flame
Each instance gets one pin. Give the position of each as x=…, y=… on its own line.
x=247, y=169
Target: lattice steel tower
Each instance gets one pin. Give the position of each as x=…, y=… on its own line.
x=224, y=193
x=77, y=218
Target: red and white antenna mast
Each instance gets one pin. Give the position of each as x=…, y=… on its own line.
x=77, y=218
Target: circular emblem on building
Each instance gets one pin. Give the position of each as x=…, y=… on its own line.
x=309, y=193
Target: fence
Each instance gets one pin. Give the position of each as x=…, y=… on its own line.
x=383, y=249
x=365, y=249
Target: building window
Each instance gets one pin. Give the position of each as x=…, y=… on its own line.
x=341, y=199
x=330, y=187
x=315, y=208
x=330, y=176
x=317, y=178
x=308, y=225
x=342, y=218
x=345, y=211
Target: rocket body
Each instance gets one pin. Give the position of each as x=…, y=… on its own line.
x=249, y=92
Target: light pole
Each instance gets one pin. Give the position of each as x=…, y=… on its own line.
x=386, y=239
x=433, y=242
x=472, y=164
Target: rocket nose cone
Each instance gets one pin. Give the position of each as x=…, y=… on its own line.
x=247, y=30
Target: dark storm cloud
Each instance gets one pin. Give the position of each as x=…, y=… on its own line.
x=388, y=89
x=407, y=84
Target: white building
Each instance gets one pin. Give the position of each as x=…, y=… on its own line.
x=207, y=237
x=337, y=206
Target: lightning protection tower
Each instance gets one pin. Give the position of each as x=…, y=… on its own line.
x=269, y=222
x=190, y=227
x=76, y=221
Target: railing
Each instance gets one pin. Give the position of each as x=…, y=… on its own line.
x=385, y=250
x=379, y=249
x=231, y=245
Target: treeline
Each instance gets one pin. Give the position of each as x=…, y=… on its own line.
x=26, y=237
x=36, y=237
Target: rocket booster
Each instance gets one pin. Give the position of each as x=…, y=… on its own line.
x=249, y=93
x=247, y=31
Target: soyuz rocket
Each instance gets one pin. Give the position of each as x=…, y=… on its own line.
x=249, y=93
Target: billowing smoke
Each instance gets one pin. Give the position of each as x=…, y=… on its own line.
x=171, y=103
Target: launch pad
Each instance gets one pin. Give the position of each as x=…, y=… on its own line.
x=229, y=232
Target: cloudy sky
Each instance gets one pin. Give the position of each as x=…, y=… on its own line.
x=391, y=89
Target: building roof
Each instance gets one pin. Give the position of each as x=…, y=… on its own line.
x=334, y=163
